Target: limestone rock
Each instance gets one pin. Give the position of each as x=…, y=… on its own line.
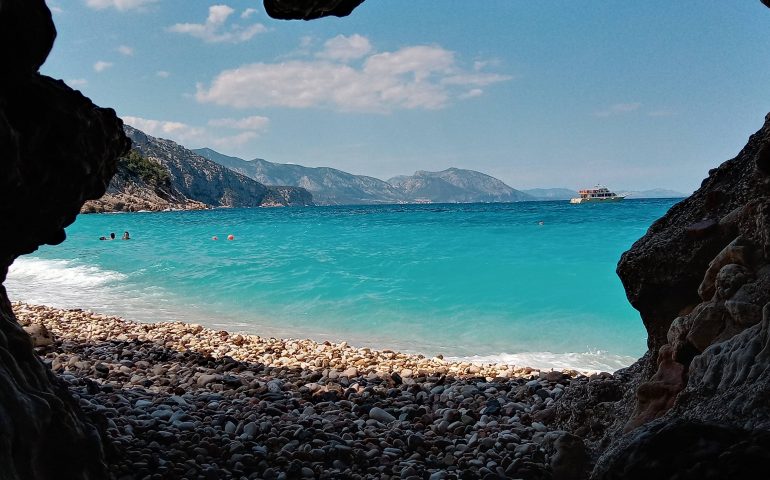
x=197, y=178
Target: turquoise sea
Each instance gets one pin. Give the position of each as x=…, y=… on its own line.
x=485, y=282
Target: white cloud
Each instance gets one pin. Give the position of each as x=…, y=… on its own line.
x=126, y=50
x=255, y=123
x=77, y=82
x=55, y=9
x=618, y=109
x=163, y=73
x=425, y=77
x=214, y=29
x=344, y=48
x=232, y=141
x=248, y=12
x=306, y=41
x=101, y=66
x=472, y=93
x=192, y=137
x=120, y=5
x=663, y=112
x=177, y=131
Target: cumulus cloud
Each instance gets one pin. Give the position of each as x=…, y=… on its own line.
x=177, y=131
x=472, y=93
x=618, y=109
x=215, y=30
x=192, y=136
x=415, y=77
x=231, y=141
x=255, y=123
x=120, y=5
x=101, y=66
x=126, y=50
x=344, y=48
x=163, y=74
x=248, y=12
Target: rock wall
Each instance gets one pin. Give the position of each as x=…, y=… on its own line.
x=700, y=279
x=309, y=9
x=57, y=150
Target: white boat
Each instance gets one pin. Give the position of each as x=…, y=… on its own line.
x=596, y=194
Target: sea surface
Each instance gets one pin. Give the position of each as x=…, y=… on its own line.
x=483, y=282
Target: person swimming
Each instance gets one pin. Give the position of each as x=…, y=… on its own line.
x=112, y=235
x=125, y=236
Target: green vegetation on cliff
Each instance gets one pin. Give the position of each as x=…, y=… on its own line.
x=138, y=166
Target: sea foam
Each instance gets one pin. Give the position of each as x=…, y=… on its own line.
x=589, y=362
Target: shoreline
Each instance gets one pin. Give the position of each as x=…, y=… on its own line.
x=246, y=347
x=189, y=402
x=35, y=276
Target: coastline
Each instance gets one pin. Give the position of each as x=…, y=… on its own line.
x=244, y=406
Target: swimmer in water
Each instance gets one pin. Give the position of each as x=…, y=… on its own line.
x=112, y=236
x=125, y=235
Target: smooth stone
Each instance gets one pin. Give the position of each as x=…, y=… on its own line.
x=376, y=413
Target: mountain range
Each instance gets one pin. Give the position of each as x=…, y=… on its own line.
x=330, y=186
x=160, y=174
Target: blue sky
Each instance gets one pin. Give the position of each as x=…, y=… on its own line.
x=633, y=95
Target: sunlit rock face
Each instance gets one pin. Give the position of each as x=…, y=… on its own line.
x=57, y=149
x=309, y=9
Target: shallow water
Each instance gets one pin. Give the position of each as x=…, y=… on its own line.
x=479, y=281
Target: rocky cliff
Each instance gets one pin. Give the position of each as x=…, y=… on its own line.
x=199, y=179
x=57, y=150
x=696, y=404
x=140, y=184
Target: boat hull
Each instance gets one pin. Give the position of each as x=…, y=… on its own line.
x=597, y=200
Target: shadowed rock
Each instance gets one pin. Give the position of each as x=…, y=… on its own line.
x=309, y=9
x=57, y=149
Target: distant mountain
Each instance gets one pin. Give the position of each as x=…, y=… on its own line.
x=655, y=193
x=456, y=185
x=551, y=193
x=330, y=186
x=192, y=180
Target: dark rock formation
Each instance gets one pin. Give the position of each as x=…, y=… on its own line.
x=688, y=450
x=309, y=9
x=57, y=150
x=700, y=278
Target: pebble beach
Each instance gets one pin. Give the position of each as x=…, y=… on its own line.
x=180, y=401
